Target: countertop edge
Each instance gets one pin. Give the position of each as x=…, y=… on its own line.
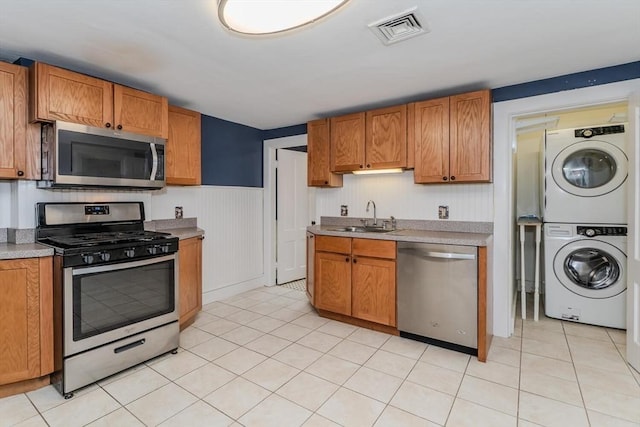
x=184, y=233
x=407, y=235
x=24, y=250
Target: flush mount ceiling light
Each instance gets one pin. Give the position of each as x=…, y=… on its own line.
x=258, y=17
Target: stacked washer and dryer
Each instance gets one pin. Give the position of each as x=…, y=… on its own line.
x=584, y=207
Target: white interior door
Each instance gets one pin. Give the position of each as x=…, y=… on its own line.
x=292, y=215
x=633, y=239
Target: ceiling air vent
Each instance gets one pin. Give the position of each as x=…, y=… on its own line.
x=396, y=28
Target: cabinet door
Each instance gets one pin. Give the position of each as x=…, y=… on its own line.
x=470, y=140
x=431, y=141
x=140, y=112
x=318, y=156
x=19, y=320
x=64, y=95
x=311, y=255
x=347, y=142
x=13, y=120
x=182, y=152
x=386, y=138
x=190, y=255
x=333, y=282
x=373, y=287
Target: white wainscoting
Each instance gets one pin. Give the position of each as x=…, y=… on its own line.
x=5, y=204
x=398, y=195
x=25, y=195
x=232, y=218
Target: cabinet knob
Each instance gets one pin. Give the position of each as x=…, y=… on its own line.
x=107, y=125
x=326, y=183
x=453, y=178
x=444, y=178
x=355, y=261
x=20, y=173
x=360, y=166
x=368, y=166
x=347, y=259
x=119, y=127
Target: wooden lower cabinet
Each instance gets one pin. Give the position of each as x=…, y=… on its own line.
x=373, y=289
x=190, y=265
x=26, y=322
x=333, y=282
x=356, y=278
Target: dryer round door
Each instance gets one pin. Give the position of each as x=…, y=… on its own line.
x=591, y=268
x=590, y=168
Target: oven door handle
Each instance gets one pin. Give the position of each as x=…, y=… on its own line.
x=121, y=266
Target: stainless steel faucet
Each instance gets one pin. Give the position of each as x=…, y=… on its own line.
x=375, y=219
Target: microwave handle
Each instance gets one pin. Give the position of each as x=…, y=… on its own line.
x=154, y=162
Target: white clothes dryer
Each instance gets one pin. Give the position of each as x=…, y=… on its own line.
x=585, y=175
x=585, y=277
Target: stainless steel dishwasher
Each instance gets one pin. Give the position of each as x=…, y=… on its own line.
x=438, y=294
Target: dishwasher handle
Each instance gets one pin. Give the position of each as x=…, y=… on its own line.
x=432, y=254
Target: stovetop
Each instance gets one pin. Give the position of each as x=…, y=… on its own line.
x=104, y=238
x=100, y=233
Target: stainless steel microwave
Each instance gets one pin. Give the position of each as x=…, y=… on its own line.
x=75, y=155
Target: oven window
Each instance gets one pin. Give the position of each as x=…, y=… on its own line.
x=113, y=299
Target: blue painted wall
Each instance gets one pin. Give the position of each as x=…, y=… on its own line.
x=231, y=153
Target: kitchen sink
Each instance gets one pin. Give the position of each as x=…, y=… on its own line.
x=361, y=229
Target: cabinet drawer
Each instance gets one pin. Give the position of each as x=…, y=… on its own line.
x=341, y=245
x=374, y=248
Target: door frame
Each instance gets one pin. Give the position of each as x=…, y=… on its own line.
x=505, y=114
x=269, y=199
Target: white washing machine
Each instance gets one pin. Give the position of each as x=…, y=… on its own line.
x=585, y=175
x=585, y=277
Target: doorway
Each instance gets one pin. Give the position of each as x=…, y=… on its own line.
x=505, y=115
x=271, y=205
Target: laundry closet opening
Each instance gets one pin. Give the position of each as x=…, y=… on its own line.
x=528, y=175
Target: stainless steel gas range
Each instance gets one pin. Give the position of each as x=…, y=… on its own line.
x=115, y=289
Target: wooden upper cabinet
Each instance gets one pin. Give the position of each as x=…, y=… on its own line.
x=348, y=142
x=13, y=120
x=318, y=156
x=182, y=152
x=386, y=138
x=452, y=139
x=140, y=112
x=431, y=130
x=60, y=94
x=470, y=137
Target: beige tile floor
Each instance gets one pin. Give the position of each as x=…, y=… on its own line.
x=264, y=358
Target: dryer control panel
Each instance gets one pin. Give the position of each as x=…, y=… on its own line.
x=601, y=231
x=600, y=130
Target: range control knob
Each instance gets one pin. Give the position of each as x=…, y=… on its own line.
x=164, y=249
x=130, y=253
x=87, y=258
x=105, y=256
x=589, y=232
x=152, y=249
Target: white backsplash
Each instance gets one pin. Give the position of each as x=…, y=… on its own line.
x=398, y=195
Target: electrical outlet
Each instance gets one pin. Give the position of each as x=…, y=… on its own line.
x=344, y=210
x=443, y=212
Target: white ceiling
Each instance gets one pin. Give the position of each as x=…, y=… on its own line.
x=178, y=48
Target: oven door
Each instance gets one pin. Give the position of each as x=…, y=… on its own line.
x=105, y=303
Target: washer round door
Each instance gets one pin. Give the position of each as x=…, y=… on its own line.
x=591, y=268
x=590, y=168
